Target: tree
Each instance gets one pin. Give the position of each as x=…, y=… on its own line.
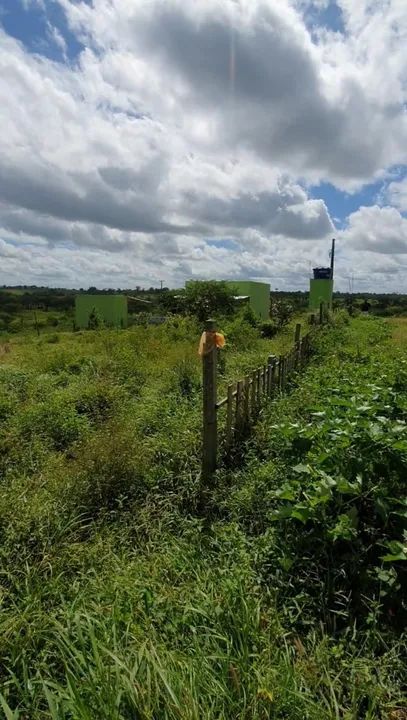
x=95, y=319
x=209, y=297
x=281, y=312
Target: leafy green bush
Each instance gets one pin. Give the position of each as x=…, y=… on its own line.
x=248, y=316
x=209, y=298
x=281, y=311
x=337, y=520
x=240, y=334
x=268, y=329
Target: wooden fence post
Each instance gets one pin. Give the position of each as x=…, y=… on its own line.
x=312, y=319
x=246, y=413
x=239, y=407
x=297, y=341
x=258, y=388
x=209, y=396
x=321, y=313
x=270, y=374
x=273, y=360
x=36, y=324
x=280, y=372
x=229, y=417
x=253, y=403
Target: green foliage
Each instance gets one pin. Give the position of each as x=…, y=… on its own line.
x=95, y=320
x=55, y=421
x=206, y=299
x=340, y=509
x=187, y=379
x=240, y=334
x=281, y=311
x=248, y=316
x=118, y=600
x=14, y=326
x=173, y=302
x=268, y=329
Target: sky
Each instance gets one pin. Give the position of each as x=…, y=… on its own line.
x=149, y=141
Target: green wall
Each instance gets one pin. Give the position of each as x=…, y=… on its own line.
x=112, y=309
x=259, y=294
x=320, y=291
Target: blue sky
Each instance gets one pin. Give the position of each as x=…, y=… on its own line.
x=126, y=159
x=330, y=17
x=31, y=23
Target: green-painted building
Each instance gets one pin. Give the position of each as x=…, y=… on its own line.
x=321, y=290
x=94, y=310
x=322, y=284
x=258, y=294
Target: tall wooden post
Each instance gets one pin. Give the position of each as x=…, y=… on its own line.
x=281, y=372
x=229, y=417
x=270, y=374
x=297, y=342
x=209, y=386
x=36, y=324
x=273, y=368
x=321, y=313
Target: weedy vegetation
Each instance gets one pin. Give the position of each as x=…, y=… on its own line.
x=122, y=598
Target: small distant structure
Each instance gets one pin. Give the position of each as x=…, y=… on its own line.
x=91, y=311
x=322, y=284
x=256, y=294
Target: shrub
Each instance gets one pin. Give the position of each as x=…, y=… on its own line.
x=268, y=329
x=209, y=298
x=240, y=335
x=248, y=316
x=281, y=312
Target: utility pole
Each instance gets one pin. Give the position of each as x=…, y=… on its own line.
x=333, y=259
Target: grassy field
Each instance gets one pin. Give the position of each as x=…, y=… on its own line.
x=283, y=599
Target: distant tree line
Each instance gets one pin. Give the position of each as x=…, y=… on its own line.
x=200, y=299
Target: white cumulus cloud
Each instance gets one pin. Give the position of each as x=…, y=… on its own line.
x=182, y=141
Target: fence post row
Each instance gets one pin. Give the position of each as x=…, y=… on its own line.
x=244, y=398
x=321, y=313
x=209, y=385
x=297, y=344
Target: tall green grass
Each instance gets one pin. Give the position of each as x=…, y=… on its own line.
x=117, y=600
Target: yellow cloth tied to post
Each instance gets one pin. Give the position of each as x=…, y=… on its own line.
x=209, y=340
